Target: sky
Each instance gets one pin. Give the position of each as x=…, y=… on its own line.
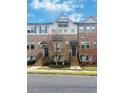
x=44, y=11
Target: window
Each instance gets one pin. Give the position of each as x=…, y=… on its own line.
x=85, y=58
x=57, y=47
x=40, y=30
x=82, y=58
x=85, y=45
x=28, y=58
x=53, y=30
x=61, y=58
x=43, y=30
x=81, y=29
x=88, y=28
x=33, y=58
x=72, y=30
x=60, y=30
x=94, y=44
x=28, y=31
x=32, y=46
x=31, y=29
x=27, y=46
x=55, y=58
x=62, y=25
x=65, y=30
x=93, y=28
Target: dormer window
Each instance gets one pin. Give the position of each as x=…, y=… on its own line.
x=62, y=25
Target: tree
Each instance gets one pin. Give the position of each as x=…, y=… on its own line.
x=56, y=45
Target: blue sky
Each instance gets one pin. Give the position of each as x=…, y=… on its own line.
x=44, y=11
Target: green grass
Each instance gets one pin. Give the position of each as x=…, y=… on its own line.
x=89, y=68
x=64, y=73
x=49, y=68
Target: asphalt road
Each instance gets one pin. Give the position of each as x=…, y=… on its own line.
x=37, y=83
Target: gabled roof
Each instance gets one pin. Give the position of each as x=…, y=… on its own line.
x=90, y=19
x=62, y=19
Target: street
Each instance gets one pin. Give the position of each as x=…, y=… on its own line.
x=37, y=83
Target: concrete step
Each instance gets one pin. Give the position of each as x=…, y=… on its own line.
x=74, y=61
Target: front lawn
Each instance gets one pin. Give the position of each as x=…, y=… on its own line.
x=90, y=68
x=87, y=68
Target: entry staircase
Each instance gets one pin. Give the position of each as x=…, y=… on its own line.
x=39, y=60
x=75, y=63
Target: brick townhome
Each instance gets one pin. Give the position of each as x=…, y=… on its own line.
x=62, y=42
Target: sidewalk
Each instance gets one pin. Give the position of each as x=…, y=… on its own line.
x=35, y=70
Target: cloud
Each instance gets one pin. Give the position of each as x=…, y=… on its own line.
x=51, y=5
x=76, y=17
x=56, y=5
x=29, y=15
x=65, y=7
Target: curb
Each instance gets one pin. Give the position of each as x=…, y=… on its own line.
x=63, y=72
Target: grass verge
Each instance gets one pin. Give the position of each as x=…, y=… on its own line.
x=87, y=73
x=89, y=68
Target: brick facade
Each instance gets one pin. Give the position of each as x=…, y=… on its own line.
x=38, y=33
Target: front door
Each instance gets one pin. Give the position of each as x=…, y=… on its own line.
x=73, y=51
x=46, y=52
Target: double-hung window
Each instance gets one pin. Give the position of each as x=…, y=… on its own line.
x=28, y=46
x=33, y=29
x=94, y=44
x=85, y=45
x=43, y=29
x=81, y=29
x=32, y=45
x=65, y=30
x=53, y=30
x=92, y=28
x=85, y=58
x=82, y=57
x=88, y=28
x=72, y=30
